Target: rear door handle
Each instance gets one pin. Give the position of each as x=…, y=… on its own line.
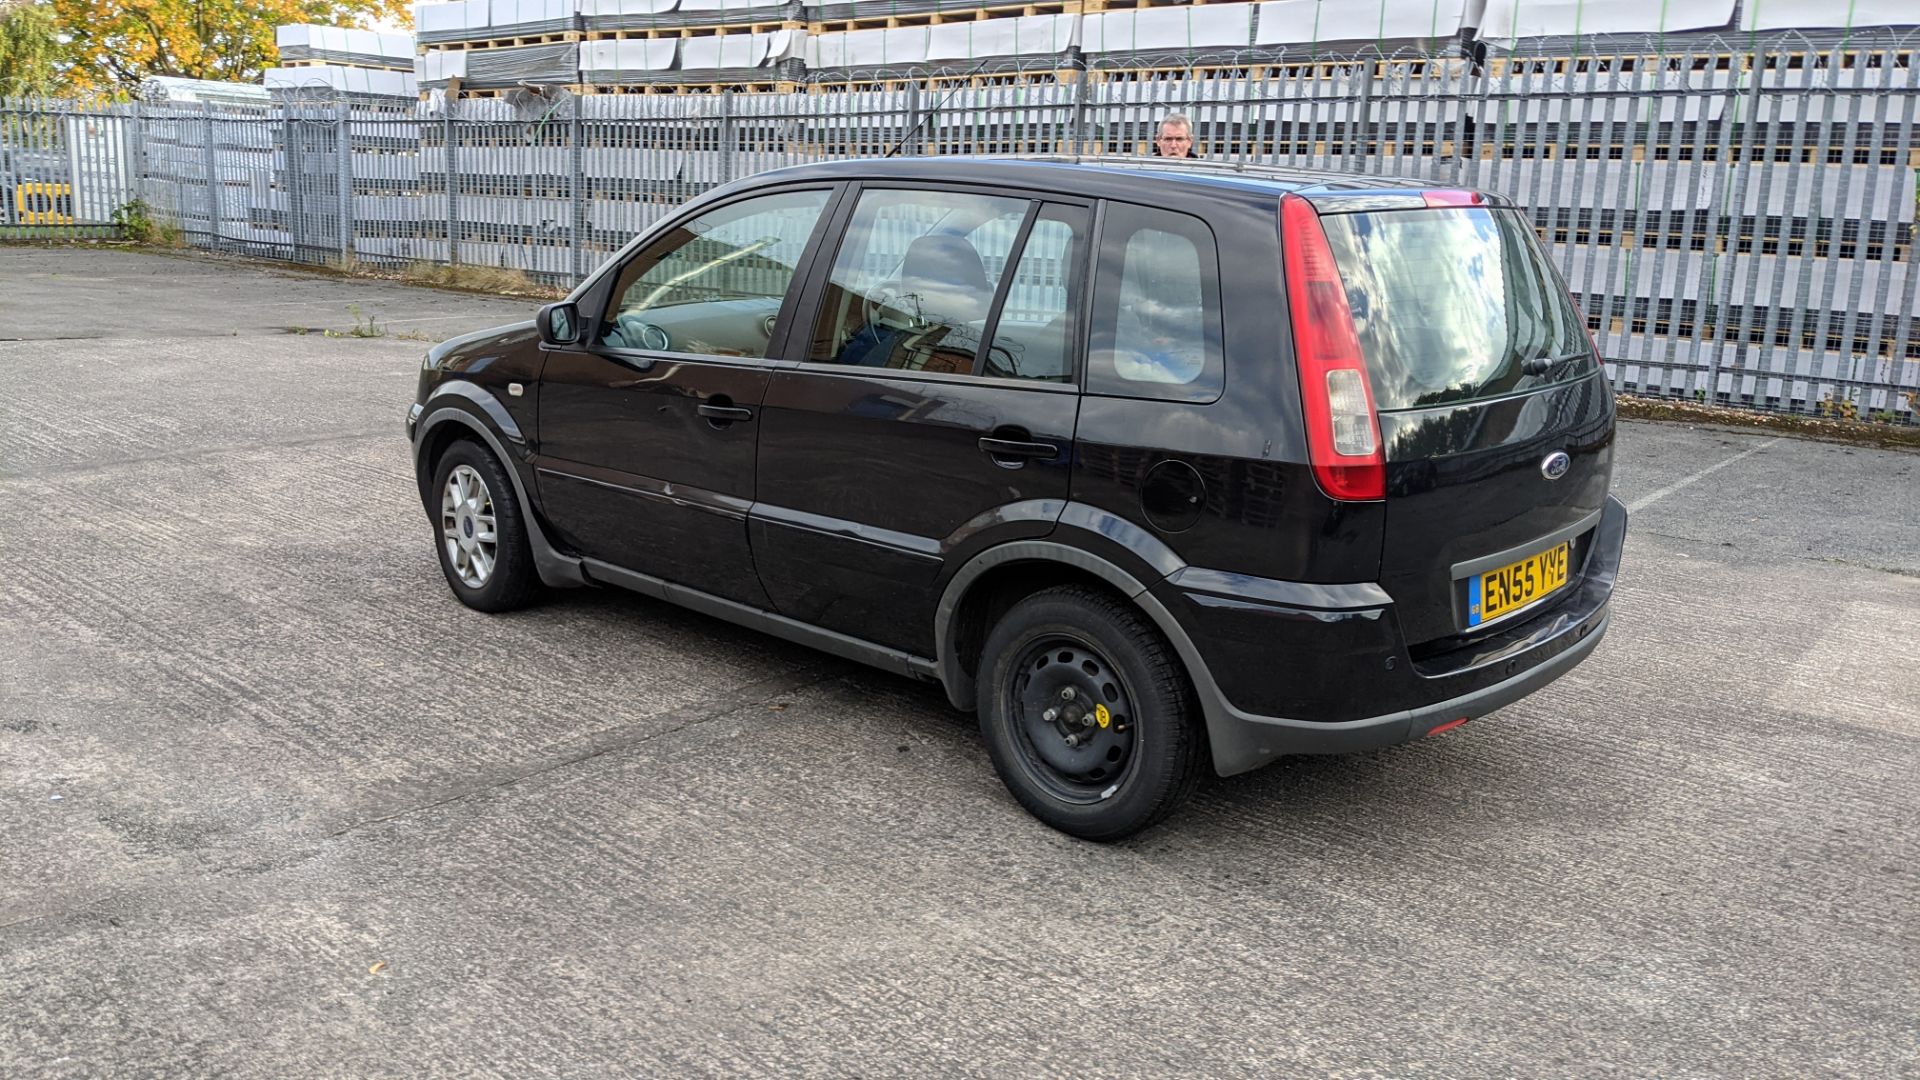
x=725, y=414
x=1017, y=449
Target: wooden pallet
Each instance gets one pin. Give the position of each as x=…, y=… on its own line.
x=658, y=32
x=1706, y=60
x=1039, y=77
x=960, y=15
x=558, y=37
x=1288, y=71
x=682, y=89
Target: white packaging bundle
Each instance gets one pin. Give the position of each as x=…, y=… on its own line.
x=1826, y=14
x=603, y=58
x=723, y=51
x=1511, y=20
x=869, y=48
x=448, y=18
x=786, y=45
x=611, y=8
x=1286, y=22
x=1181, y=29
x=1029, y=35
x=439, y=65
x=721, y=7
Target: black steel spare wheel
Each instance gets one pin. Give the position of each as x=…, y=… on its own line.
x=1087, y=713
x=1075, y=719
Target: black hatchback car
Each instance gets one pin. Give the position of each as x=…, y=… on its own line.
x=1150, y=464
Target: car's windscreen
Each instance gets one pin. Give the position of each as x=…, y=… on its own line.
x=1451, y=304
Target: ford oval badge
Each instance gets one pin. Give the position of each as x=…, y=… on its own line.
x=1556, y=465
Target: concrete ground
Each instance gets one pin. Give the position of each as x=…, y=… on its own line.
x=273, y=804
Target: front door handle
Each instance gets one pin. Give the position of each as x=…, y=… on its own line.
x=1014, y=452
x=725, y=414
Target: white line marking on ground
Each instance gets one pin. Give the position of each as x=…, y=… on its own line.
x=1648, y=500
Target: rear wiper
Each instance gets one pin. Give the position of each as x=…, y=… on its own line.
x=1540, y=365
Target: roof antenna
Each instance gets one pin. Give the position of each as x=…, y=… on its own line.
x=941, y=104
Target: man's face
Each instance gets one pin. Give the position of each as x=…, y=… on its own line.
x=1174, y=140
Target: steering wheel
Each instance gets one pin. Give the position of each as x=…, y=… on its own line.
x=881, y=307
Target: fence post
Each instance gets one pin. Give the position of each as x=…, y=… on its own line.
x=10, y=131
x=913, y=120
x=1077, y=125
x=1358, y=132
x=576, y=223
x=453, y=186
x=213, y=178
x=1723, y=244
x=344, y=111
x=1467, y=87
x=134, y=150
x=726, y=135
x=290, y=179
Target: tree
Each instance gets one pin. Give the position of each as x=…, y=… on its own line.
x=119, y=44
x=30, y=49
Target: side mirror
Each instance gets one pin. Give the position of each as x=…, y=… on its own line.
x=559, y=324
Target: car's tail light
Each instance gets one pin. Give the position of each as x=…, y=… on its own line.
x=1343, y=429
x=1453, y=198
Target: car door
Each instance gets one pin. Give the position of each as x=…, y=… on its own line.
x=647, y=432
x=932, y=410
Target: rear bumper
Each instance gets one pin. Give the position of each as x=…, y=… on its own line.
x=1346, y=678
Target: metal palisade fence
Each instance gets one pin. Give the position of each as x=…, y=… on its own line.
x=1736, y=219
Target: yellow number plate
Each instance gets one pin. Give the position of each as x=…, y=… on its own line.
x=1510, y=588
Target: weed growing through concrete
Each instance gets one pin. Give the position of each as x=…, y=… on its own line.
x=139, y=223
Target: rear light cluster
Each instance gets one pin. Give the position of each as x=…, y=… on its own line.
x=1343, y=427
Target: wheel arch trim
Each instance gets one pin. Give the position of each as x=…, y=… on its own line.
x=1231, y=733
x=555, y=569
x=960, y=685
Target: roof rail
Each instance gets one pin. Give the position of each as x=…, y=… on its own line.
x=1246, y=168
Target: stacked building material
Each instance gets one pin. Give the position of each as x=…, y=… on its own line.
x=171, y=90
x=335, y=62
x=493, y=69
x=305, y=44
x=608, y=17
x=493, y=46
x=503, y=23
x=744, y=61
x=1172, y=37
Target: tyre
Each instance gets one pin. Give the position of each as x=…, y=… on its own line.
x=1088, y=714
x=481, y=533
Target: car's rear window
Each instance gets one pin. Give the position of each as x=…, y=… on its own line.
x=1451, y=304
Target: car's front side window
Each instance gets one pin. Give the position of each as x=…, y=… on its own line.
x=714, y=285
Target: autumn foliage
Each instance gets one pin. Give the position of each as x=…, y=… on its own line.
x=115, y=45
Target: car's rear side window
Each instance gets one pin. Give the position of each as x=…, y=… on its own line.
x=1451, y=304
x=1156, y=311
x=1034, y=337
